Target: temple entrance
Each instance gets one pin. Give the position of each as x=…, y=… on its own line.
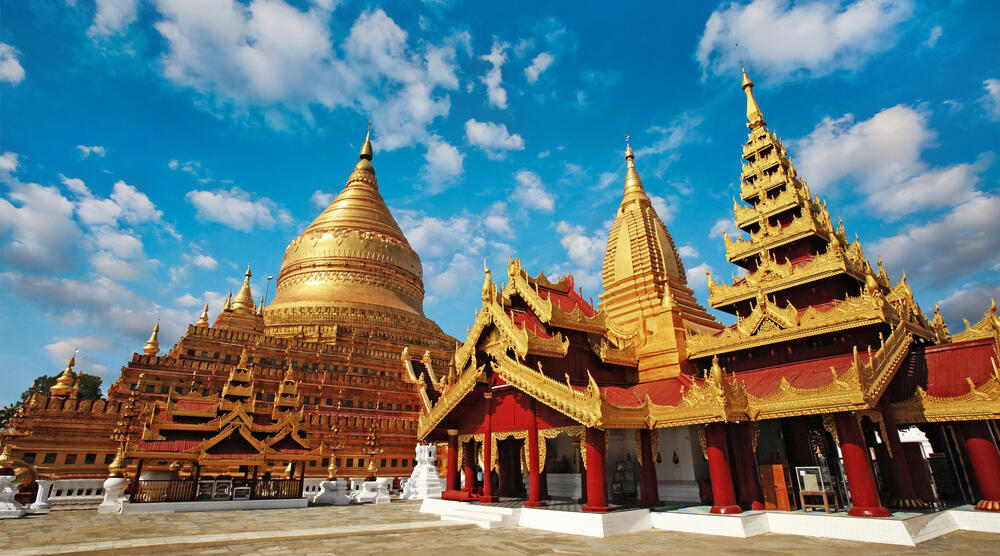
x=510, y=464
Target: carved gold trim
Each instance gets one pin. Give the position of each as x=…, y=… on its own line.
x=754, y=435
x=979, y=403
x=703, y=441
x=574, y=432
x=831, y=427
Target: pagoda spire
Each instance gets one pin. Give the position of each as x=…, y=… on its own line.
x=366, y=149
x=65, y=380
x=634, y=192
x=755, y=118
x=244, y=298
x=152, y=346
x=203, y=319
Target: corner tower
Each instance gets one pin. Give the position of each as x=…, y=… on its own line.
x=646, y=298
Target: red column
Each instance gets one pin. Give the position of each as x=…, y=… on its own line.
x=985, y=462
x=597, y=490
x=858, y=467
x=488, y=496
x=746, y=461
x=903, y=490
x=452, y=478
x=723, y=494
x=534, y=475
x=648, y=494
x=470, y=467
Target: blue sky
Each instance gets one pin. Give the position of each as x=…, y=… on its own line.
x=149, y=150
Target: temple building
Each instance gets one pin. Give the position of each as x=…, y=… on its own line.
x=349, y=298
x=647, y=398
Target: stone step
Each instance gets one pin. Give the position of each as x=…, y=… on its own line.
x=481, y=523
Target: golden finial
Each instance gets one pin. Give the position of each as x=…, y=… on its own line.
x=65, y=380
x=229, y=302
x=244, y=359
x=203, y=319
x=152, y=346
x=755, y=118
x=633, y=184
x=366, y=149
x=117, y=466
x=487, y=282
x=244, y=298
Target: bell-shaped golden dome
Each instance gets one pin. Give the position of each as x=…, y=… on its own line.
x=353, y=255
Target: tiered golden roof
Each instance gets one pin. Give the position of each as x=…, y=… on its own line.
x=152, y=346
x=793, y=244
x=65, y=380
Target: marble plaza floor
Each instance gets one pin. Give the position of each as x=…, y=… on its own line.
x=371, y=529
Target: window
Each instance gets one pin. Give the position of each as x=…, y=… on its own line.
x=164, y=389
x=305, y=399
x=349, y=403
x=408, y=407
x=215, y=355
x=361, y=462
x=312, y=463
x=108, y=458
x=326, y=367
x=132, y=386
x=350, y=462
x=90, y=459
x=70, y=459
x=270, y=397
x=150, y=388
x=325, y=462
x=51, y=458
x=28, y=457
x=329, y=401
x=190, y=352
x=382, y=464
x=361, y=404
x=204, y=354
x=204, y=392
x=388, y=406
x=395, y=463
x=229, y=357
x=259, y=396
x=315, y=366
x=338, y=462
x=371, y=405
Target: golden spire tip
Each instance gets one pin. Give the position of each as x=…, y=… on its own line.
x=366, y=149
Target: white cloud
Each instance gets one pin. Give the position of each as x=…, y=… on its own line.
x=107, y=264
x=991, y=100
x=96, y=212
x=606, y=179
x=687, y=251
x=811, y=38
x=113, y=16
x=278, y=61
x=493, y=79
x=663, y=210
x=883, y=156
x=664, y=150
x=581, y=248
x=969, y=302
x=86, y=151
x=11, y=70
x=933, y=36
x=61, y=350
x=76, y=185
x=38, y=231
x=187, y=300
x=530, y=192
x=967, y=238
x=544, y=154
x=204, y=261
x=493, y=138
x=443, y=164
x=697, y=278
x=8, y=162
x=497, y=220
x=723, y=225
x=538, y=65
x=136, y=206
x=321, y=199
x=236, y=208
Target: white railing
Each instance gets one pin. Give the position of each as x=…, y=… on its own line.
x=83, y=492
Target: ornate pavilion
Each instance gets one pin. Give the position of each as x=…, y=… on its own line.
x=826, y=355
x=321, y=358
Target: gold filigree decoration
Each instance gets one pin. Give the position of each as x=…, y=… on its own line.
x=703, y=441
x=754, y=435
x=497, y=437
x=432, y=415
x=987, y=327
x=574, y=432
x=830, y=424
x=979, y=403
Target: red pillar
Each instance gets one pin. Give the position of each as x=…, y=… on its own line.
x=858, y=467
x=534, y=475
x=985, y=462
x=452, y=473
x=470, y=467
x=597, y=490
x=903, y=490
x=648, y=495
x=746, y=470
x=488, y=496
x=723, y=494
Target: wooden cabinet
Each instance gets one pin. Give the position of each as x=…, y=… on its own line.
x=776, y=482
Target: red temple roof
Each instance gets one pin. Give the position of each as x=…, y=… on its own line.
x=567, y=301
x=662, y=392
x=813, y=373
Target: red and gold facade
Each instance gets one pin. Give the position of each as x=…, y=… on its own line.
x=348, y=299
x=826, y=360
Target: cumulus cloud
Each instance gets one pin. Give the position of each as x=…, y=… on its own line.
x=991, y=100
x=723, y=225
x=969, y=302
x=933, y=36
x=321, y=199
x=61, y=350
x=495, y=93
x=280, y=61
x=967, y=237
x=37, y=227
x=492, y=138
x=443, y=164
x=11, y=70
x=582, y=248
x=538, y=65
x=86, y=151
x=113, y=16
x=236, y=208
x=697, y=278
x=497, y=220
x=9, y=162
x=205, y=262
x=810, y=38
x=530, y=192
x=883, y=156
x=687, y=251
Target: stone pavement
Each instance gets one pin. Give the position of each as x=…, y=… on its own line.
x=371, y=529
